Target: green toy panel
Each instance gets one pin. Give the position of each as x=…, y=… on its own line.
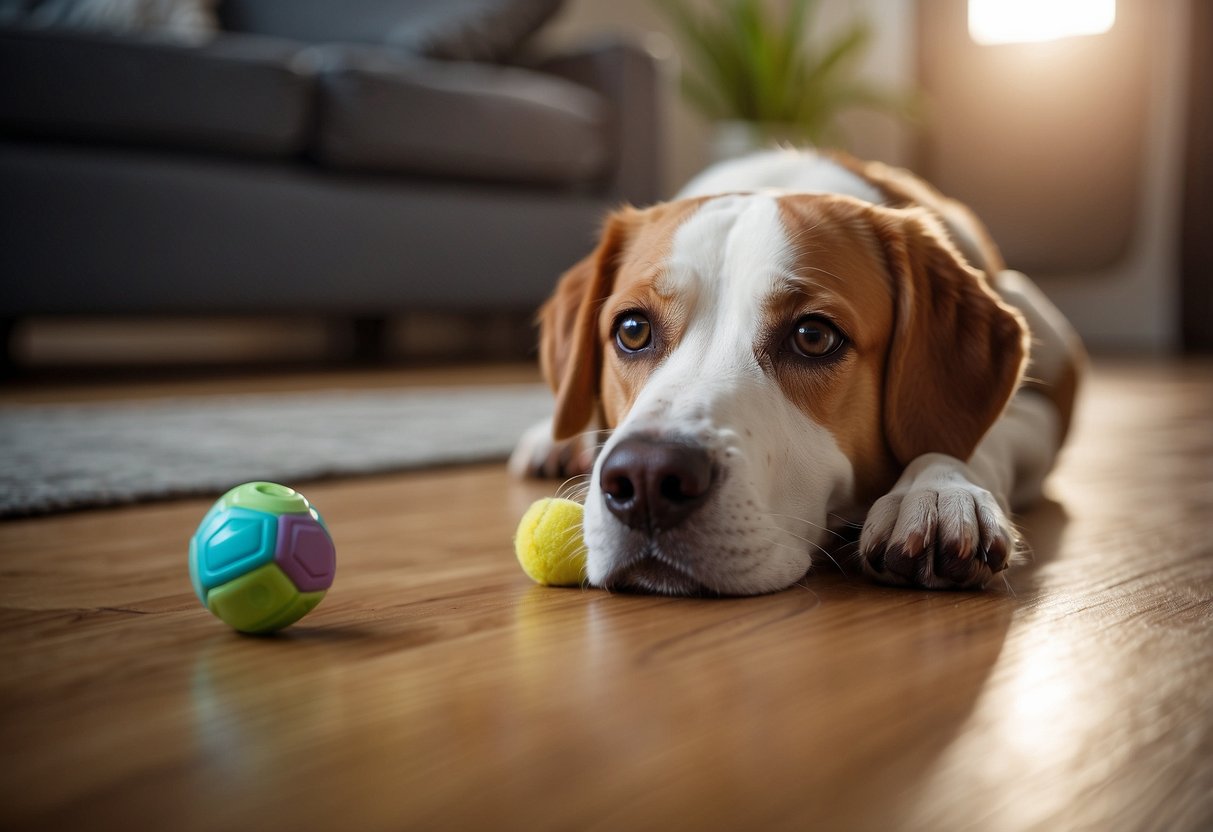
x=266, y=496
x=300, y=605
x=261, y=601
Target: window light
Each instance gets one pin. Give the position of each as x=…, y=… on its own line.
x=1030, y=21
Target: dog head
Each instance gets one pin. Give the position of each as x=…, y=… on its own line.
x=765, y=362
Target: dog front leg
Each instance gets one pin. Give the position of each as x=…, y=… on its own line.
x=945, y=524
x=537, y=454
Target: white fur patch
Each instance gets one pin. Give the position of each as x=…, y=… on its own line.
x=781, y=171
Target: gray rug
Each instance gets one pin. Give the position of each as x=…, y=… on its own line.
x=66, y=456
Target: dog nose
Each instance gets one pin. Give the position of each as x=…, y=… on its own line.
x=653, y=486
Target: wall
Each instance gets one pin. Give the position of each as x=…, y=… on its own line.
x=1133, y=306
x=890, y=60
x=1130, y=306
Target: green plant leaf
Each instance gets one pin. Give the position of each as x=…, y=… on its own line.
x=745, y=16
x=791, y=56
x=750, y=60
x=841, y=53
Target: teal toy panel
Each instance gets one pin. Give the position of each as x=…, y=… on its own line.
x=231, y=543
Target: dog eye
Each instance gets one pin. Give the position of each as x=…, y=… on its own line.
x=633, y=332
x=815, y=337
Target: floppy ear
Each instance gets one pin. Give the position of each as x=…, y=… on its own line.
x=569, y=352
x=957, y=352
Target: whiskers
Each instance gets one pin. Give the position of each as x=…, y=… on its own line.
x=575, y=488
x=844, y=543
x=808, y=523
x=844, y=522
x=589, y=442
x=812, y=544
x=1006, y=583
x=803, y=583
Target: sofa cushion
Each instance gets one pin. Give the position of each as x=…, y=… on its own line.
x=184, y=17
x=240, y=94
x=478, y=121
x=474, y=30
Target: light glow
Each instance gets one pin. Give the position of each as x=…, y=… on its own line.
x=1032, y=21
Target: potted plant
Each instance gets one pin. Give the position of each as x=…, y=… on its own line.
x=754, y=74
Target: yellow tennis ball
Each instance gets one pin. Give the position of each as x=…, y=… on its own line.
x=549, y=544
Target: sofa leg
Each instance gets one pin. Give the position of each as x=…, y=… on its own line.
x=8, y=362
x=369, y=339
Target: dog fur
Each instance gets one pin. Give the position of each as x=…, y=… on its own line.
x=940, y=412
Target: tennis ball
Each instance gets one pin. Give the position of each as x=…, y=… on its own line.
x=549, y=544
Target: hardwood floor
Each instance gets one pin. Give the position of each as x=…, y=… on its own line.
x=435, y=687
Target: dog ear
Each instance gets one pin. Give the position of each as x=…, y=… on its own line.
x=569, y=352
x=957, y=352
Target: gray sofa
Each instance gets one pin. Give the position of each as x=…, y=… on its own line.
x=312, y=157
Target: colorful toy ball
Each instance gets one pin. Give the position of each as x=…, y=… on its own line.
x=262, y=558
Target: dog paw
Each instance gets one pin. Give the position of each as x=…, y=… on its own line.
x=537, y=454
x=937, y=531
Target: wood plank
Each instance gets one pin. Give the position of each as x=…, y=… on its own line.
x=436, y=686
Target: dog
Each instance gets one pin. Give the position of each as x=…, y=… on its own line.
x=796, y=344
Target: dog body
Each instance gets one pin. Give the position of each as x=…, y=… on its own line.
x=799, y=342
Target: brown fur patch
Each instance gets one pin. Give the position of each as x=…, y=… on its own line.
x=840, y=273
x=934, y=356
x=637, y=287
x=957, y=353
x=903, y=189
x=634, y=243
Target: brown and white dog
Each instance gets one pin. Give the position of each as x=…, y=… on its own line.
x=800, y=342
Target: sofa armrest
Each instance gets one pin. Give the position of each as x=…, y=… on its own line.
x=635, y=79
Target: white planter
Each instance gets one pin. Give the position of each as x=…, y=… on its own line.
x=734, y=138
